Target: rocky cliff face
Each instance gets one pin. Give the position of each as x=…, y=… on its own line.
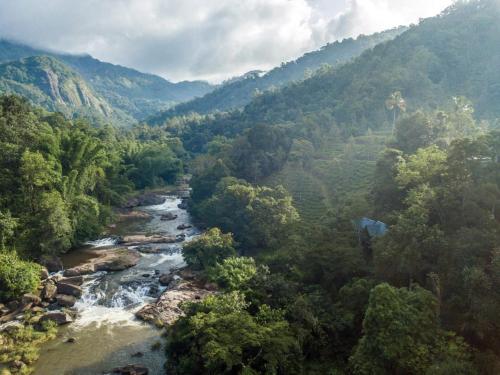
x=49, y=83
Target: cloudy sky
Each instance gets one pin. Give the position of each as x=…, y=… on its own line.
x=201, y=39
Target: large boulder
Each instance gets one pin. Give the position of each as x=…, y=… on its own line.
x=140, y=239
x=30, y=298
x=117, y=260
x=65, y=300
x=44, y=273
x=69, y=289
x=3, y=309
x=168, y=216
x=49, y=291
x=75, y=280
x=167, y=309
x=148, y=199
x=59, y=317
x=84, y=269
x=52, y=263
x=166, y=279
x=151, y=199
x=11, y=327
x=184, y=226
x=148, y=249
x=129, y=214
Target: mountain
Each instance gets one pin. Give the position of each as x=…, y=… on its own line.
x=238, y=92
x=337, y=121
x=138, y=94
x=47, y=82
x=126, y=90
x=454, y=54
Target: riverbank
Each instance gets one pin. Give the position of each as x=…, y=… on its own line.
x=106, y=334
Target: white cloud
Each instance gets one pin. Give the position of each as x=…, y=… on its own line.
x=369, y=16
x=207, y=39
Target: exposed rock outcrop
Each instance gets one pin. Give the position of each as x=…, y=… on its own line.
x=116, y=259
x=166, y=310
x=69, y=289
x=169, y=216
x=65, y=300
x=59, y=317
x=140, y=239
x=147, y=199
x=49, y=291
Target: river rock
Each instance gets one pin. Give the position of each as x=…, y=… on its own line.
x=147, y=249
x=52, y=263
x=30, y=298
x=132, y=214
x=49, y=291
x=184, y=193
x=117, y=260
x=147, y=199
x=44, y=273
x=11, y=327
x=167, y=310
x=59, y=317
x=3, y=309
x=75, y=280
x=166, y=279
x=69, y=289
x=168, y=216
x=17, y=365
x=140, y=239
x=37, y=309
x=131, y=370
x=184, y=226
x=183, y=205
x=65, y=300
x=84, y=269
x=187, y=274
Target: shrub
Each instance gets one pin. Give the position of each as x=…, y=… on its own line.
x=17, y=276
x=209, y=249
x=234, y=272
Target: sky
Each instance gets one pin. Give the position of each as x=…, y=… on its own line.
x=201, y=39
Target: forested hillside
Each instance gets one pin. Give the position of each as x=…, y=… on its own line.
x=239, y=92
x=443, y=57
x=442, y=63
x=59, y=178
x=130, y=94
x=312, y=289
x=349, y=222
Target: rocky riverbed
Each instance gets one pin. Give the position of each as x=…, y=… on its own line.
x=104, y=289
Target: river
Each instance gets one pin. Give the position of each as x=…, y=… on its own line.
x=106, y=333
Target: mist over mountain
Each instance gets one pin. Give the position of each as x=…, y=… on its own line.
x=338, y=214
x=238, y=93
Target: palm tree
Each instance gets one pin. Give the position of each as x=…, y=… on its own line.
x=396, y=104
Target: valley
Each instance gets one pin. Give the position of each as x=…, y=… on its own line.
x=337, y=214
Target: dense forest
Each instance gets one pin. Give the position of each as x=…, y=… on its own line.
x=351, y=219
x=59, y=177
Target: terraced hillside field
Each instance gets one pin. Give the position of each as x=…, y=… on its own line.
x=337, y=168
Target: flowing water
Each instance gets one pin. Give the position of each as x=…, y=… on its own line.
x=106, y=333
